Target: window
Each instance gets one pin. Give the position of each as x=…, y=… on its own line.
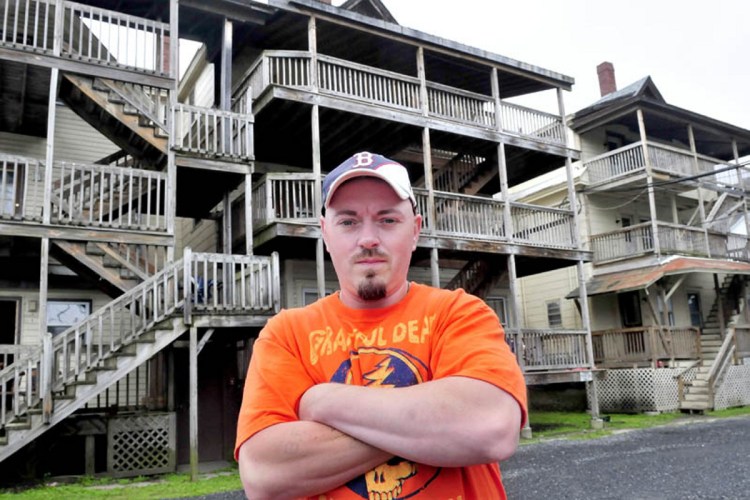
x=497, y=304
x=62, y=314
x=554, y=315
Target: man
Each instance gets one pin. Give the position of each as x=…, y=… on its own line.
x=385, y=389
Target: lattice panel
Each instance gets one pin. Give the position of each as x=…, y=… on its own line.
x=637, y=390
x=735, y=389
x=141, y=444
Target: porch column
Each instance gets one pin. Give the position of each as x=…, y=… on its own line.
x=312, y=43
x=650, y=182
x=318, y=201
x=249, y=213
x=193, y=417
x=170, y=202
x=581, y=271
x=502, y=168
x=741, y=185
x=431, y=213
x=701, y=207
x=226, y=225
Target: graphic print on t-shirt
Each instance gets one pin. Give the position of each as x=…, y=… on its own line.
x=387, y=368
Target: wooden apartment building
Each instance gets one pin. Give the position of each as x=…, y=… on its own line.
x=151, y=221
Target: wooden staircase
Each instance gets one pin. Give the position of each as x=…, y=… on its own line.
x=116, y=268
x=697, y=395
x=42, y=388
x=130, y=116
x=477, y=277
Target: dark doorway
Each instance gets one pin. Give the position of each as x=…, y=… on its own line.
x=694, y=306
x=630, y=309
x=9, y=317
x=219, y=397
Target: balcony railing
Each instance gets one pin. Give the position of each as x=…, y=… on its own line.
x=669, y=160
x=645, y=346
x=212, y=132
x=86, y=195
x=290, y=198
x=674, y=239
x=87, y=33
x=370, y=85
x=540, y=350
x=537, y=225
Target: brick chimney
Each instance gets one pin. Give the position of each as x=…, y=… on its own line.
x=607, y=83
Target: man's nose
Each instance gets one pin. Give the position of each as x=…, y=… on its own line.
x=368, y=236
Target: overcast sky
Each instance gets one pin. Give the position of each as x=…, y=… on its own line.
x=697, y=53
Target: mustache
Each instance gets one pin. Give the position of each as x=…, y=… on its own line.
x=369, y=253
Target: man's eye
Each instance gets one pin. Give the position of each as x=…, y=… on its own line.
x=346, y=222
x=388, y=221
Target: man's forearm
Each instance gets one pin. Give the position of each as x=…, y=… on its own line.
x=450, y=422
x=296, y=459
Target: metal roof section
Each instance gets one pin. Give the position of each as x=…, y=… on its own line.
x=636, y=279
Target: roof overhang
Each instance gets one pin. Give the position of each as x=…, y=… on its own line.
x=636, y=279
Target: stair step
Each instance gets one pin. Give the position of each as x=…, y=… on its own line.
x=99, y=85
x=93, y=249
x=108, y=261
x=695, y=405
x=146, y=338
x=20, y=425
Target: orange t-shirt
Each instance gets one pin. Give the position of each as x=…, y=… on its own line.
x=430, y=334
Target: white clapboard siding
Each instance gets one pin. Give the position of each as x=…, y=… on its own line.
x=538, y=289
x=77, y=141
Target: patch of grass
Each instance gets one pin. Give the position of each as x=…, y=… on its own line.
x=169, y=486
x=567, y=425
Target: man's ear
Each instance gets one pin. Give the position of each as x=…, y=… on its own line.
x=322, y=221
x=417, y=230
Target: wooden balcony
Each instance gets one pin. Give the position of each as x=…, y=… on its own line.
x=549, y=350
x=290, y=199
x=212, y=133
x=90, y=34
x=674, y=239
x=621, y=164
x=645, y=346
x=83, y=194
x=398, y=92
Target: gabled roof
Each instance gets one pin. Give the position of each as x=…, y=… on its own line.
x=370, y=8
x=643, y=88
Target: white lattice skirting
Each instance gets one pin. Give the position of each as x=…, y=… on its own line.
x=655, y=389
x=735, y=390
x=141, y=444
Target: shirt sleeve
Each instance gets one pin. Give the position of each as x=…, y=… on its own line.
x=275, y=382
x=471, y=343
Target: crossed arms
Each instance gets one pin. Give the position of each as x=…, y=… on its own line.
x=346, y=430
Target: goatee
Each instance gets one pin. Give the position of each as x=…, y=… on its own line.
x=370, y=290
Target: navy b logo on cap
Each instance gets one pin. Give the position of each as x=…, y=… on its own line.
x=366, y=164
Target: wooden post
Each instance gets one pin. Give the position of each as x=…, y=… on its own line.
x=248, y=214
x=193, y=384
x=312, y=43
x=187, y=285
x=318, y=199
x=650, y=182
x=701, y=206
x=717, y=289
x=431, y=209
